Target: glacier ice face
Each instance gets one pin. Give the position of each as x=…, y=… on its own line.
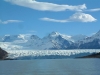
x=37, y=53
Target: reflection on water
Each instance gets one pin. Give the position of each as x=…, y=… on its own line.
x=51, y=67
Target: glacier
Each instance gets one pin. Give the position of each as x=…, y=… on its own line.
x=31, y=54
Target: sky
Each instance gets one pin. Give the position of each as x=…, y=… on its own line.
x=41, y=17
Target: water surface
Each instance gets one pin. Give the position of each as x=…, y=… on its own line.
x=50, y=67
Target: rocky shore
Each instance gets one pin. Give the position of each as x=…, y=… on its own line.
x=3, y=54
x=94, y=55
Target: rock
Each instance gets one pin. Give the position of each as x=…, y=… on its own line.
x=94, y=55
x=3, y=54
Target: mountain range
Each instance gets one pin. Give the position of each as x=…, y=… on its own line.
x=53, y=41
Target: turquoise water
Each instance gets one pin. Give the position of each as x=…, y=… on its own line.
x=50, y=67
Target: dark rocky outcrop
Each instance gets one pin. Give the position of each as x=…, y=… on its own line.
x=94, y=55
x=3, y=54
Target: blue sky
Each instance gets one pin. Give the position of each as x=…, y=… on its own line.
x=40, y=17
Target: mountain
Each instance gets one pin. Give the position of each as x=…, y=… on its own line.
x=78, y=37
x=92, y=42
x=12, y=42
x=12, y=38
x=54, y=40
x=33, y=42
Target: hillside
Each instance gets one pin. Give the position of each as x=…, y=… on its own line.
x=3, y=54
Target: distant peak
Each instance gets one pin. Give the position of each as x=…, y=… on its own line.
x=34, y=37
x=98, y=32
x=55, y=33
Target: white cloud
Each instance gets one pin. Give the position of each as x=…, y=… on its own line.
x=77, y=17
x=46, y=6
x=82, y=17
x=10, y=21
x=94, y=10
x=53, y=20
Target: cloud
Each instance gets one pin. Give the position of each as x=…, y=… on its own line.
x=10, y=21
x=53, y=20
x=77, y=17
x=94, y=10
x=82, y=17
x=46, y=6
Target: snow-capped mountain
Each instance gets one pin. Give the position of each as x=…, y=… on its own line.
x=56, y=34
x=93, y=37
x=78, y=37
x=34, y=42
x=54, y=40
x=12, y=38
x=91, y=42
x=8, y=38
x=12, y=42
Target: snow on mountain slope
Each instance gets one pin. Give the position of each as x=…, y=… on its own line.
x=92, y=42
x=34, y=42
x=55, y=34
x=78, y=37
x=54, y=40
x=13, y=42
x=67, y=37
x=10, y=46
x=13, y=38
x=92, y=38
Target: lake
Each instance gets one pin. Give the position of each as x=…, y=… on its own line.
x=50, y=67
